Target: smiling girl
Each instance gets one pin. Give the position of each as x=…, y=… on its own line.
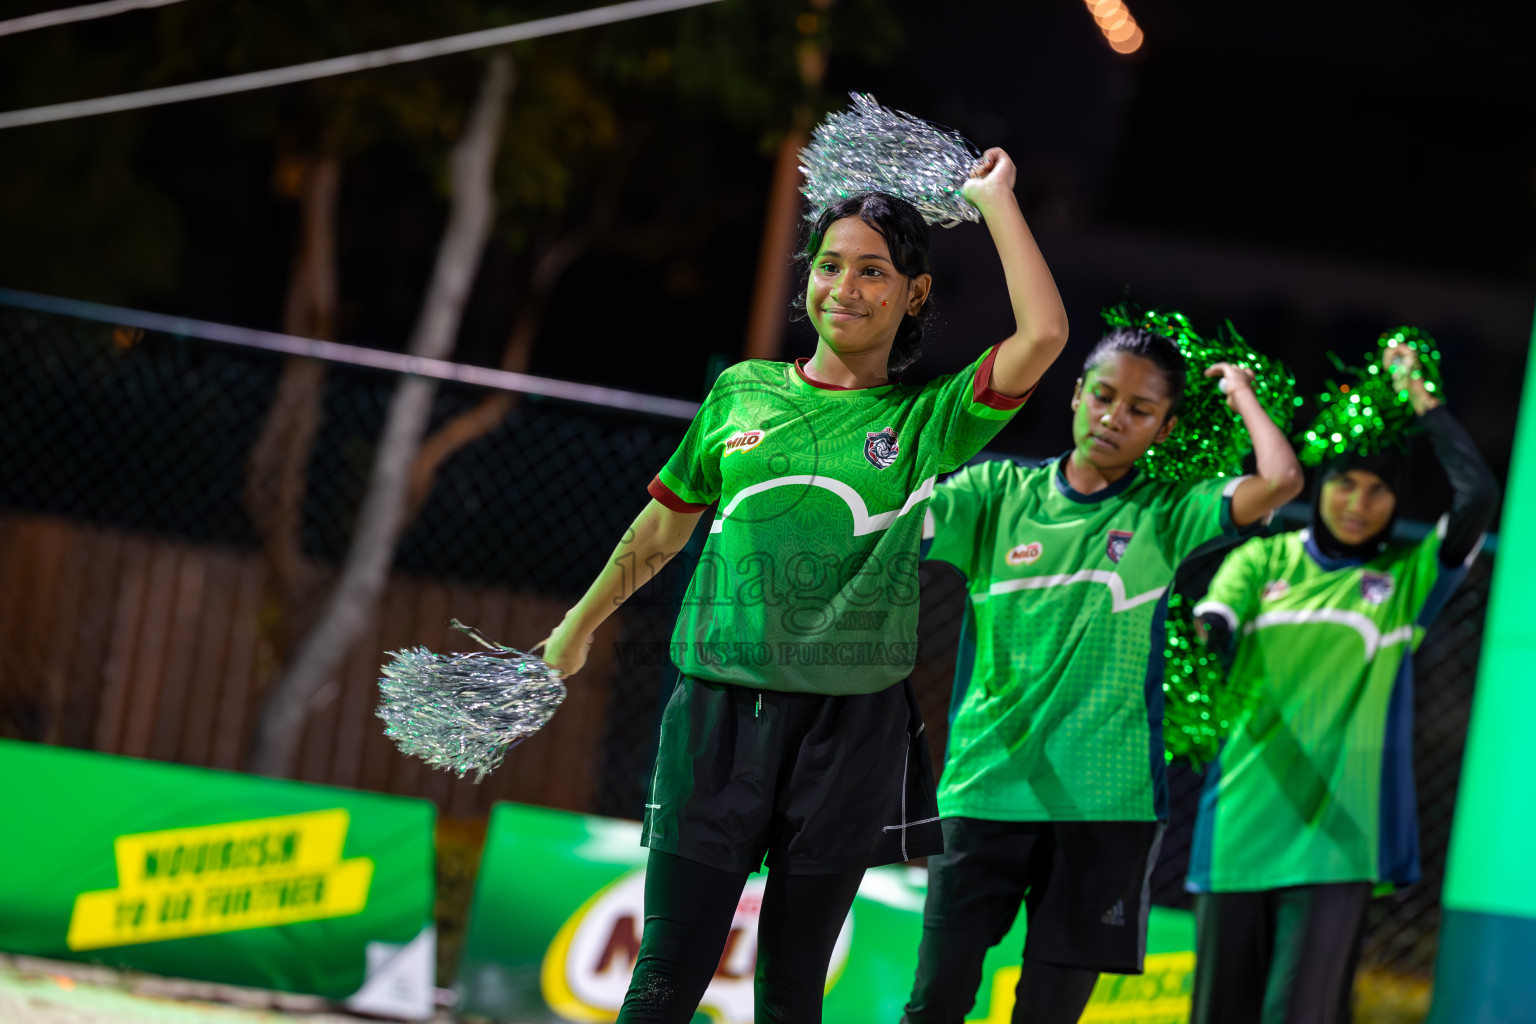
x=792, y=734
x=1311, y=804
x=1053, y=793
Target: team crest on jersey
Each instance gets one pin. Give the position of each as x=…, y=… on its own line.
x=1118, y=539
x=1024, y=554
x=746, y=440
x=1376, y=587
x=1274, y=589
x=880, y=448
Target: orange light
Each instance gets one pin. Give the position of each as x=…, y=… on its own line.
x=1131, y=45
x=807, y=24
x=1117, y=23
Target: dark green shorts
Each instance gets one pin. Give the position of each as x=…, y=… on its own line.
x=814, y=784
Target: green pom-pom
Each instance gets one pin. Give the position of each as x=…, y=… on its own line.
x=1200, y=705
x=1367, y=411
x=1209, y=440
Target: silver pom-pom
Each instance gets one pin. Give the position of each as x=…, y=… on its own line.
x=463, y=712
x=873, y=149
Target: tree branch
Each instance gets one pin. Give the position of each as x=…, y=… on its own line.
x=488, y=413
x=381, y=516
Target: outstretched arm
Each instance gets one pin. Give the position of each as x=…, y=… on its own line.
x=1475, y=490
x=1279, y=478
x=1040, y=320
x=656, y=535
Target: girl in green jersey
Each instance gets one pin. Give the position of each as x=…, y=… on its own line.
x=1053, y=793
x=792, y=734
x=1310, y=804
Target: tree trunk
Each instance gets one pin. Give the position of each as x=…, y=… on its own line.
x=380, y=519
x=771, y=291
x=274, y=482
x=487, y=414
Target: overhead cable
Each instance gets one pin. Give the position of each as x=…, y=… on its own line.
x=354, y=355
x=85, y=12
x=346, y=65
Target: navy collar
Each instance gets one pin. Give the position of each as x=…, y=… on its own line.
x=1114, y=490
x=1326, y=562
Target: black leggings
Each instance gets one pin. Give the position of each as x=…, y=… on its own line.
x=949, y=974
x=688, y=912
x=1280, y=956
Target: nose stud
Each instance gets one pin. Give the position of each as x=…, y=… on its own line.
x=883, y=302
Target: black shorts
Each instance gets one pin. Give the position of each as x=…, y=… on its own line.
x=817, y=784
x=1086, y=886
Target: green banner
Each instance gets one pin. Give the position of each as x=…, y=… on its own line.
x=1488, y=936
x=205, y=874
x=559, y=907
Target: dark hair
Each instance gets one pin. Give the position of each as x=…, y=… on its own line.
x=1161, y=351
x=906, y=234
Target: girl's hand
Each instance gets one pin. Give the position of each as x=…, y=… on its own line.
x=565, y=649
x=991, y=180
x=1399, y=360
x=1402, y=362
x=1234, y=379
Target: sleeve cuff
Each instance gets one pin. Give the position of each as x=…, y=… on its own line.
x=1229, y=527
x=983, y=394
x=664, y=494
x=1219, y=610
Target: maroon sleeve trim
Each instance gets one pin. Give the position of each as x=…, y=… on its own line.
x=982, y=388
x=662, y=493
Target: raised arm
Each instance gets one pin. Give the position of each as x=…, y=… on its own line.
x=1040, y=320
x=1475, y=490
x=1279, y=478
x=656, y=535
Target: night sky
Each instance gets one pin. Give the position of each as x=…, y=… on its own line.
x=1316, y=172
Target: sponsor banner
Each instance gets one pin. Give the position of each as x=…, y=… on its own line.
x=559, y=907
x=205, y=874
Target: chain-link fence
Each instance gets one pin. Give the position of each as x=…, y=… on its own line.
x=172, y=509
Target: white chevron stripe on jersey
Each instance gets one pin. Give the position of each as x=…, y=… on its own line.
x=863, y=522
x=1370, y=635
x=1118, y=601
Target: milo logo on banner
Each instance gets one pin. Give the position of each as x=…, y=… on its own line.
x=223, y=878
x=586, y=970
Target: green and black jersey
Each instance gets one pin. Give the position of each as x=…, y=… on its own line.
x=1315, y=782
x=1057, y=714
x=808, y=582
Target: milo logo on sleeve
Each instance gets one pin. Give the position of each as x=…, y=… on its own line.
x=743, y=441
x=1024, y=554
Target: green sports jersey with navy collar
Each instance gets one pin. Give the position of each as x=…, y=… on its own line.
x=1314, y=783
x=1059, y=677
x=808, y=581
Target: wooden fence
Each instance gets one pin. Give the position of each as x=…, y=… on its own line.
x=154, y=648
